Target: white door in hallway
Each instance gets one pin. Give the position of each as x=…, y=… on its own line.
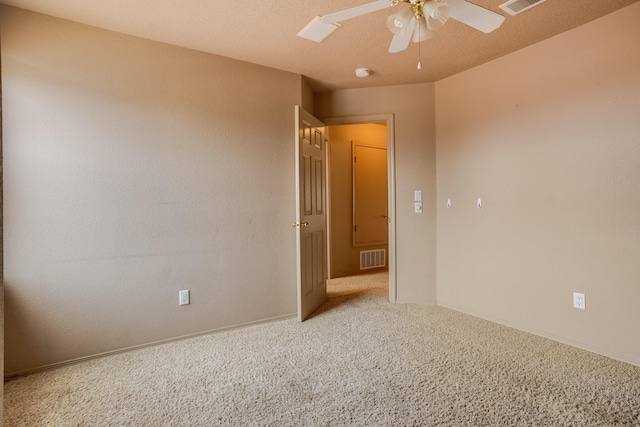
x=370, y=196
x=311, y=215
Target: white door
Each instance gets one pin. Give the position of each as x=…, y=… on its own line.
x=370, y=196
x=311, y=215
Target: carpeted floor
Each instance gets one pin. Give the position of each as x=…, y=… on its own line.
x=358, y=361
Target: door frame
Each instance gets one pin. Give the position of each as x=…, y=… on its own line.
x=388, y=119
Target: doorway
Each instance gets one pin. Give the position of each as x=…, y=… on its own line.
x=345, y=253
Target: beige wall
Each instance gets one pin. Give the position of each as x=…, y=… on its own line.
x=413, y=109
x=306, y=95
x=345, y=258
x=134, y=169
x=549, y=138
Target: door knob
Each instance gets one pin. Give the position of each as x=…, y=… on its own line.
x=300, y=224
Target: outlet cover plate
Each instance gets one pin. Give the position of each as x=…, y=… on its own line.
x=579, y=300
x=184, y=297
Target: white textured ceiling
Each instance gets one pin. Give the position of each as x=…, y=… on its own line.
x=264, y=32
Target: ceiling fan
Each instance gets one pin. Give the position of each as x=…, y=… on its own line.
x=415, y=22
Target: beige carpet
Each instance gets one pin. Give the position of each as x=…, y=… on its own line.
x=358, y=361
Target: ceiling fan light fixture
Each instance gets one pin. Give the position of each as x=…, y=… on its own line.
x=422, y=33
x=397, y=22
x=436, y=14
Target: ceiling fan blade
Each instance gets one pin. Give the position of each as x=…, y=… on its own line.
x=316, y=30
x=474, y=16
x=401, y=40
x=356, y=11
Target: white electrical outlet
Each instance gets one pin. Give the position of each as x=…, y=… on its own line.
x=184, y=297
x=579, y=300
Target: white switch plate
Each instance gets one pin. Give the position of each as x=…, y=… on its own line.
x=417, y=196
x=184, y=297
x=579, y=300
x=417, y=208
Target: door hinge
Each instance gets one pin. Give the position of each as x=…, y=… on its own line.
x=355, y=228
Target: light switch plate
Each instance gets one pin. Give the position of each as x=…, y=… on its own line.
x=417, y=196
x=417, y=207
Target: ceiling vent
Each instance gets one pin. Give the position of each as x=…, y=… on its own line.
x=514, y=7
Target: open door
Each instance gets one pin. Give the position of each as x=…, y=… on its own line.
x=311, y=215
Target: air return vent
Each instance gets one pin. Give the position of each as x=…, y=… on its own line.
x=372, y=259
x=513, y=7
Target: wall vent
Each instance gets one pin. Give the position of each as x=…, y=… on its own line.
x=372, y=259
x=514, y=7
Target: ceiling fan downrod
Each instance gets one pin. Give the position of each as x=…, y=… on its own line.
x=418, y=6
